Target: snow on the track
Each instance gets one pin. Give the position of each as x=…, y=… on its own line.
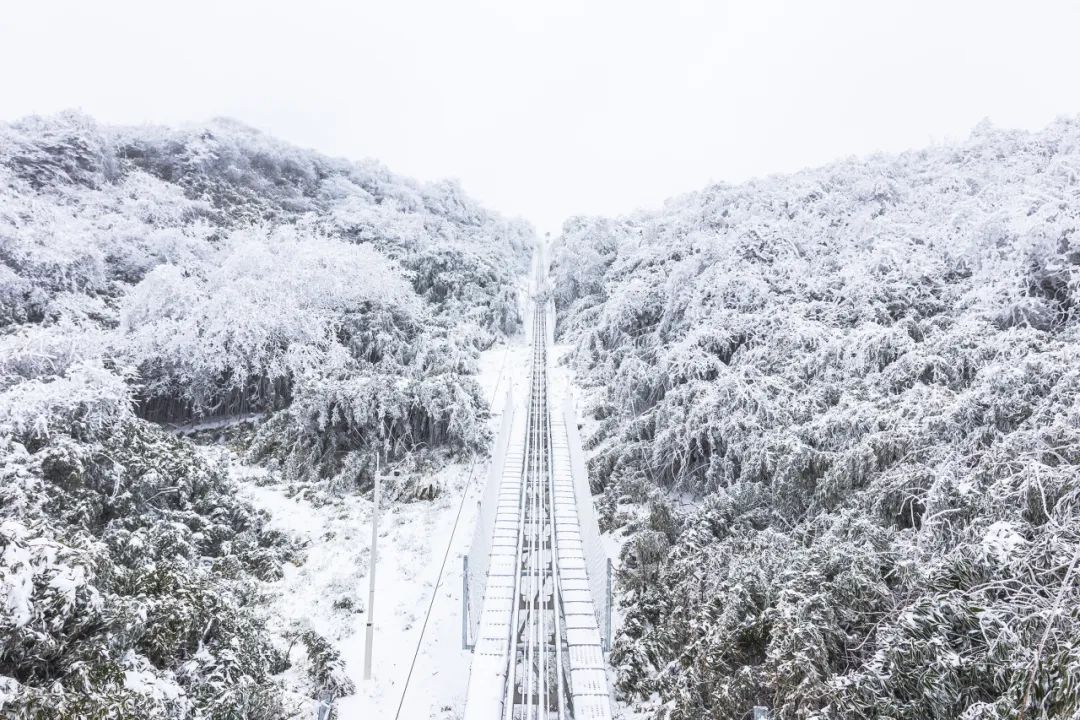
x=328, y=592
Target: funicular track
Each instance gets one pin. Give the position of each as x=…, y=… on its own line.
x=536, y=611
x=537, y=674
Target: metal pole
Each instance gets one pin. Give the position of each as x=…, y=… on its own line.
x=607, y=630
x=370, y=638
x=465, y=603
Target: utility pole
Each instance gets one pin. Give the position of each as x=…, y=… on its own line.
x=371, y=577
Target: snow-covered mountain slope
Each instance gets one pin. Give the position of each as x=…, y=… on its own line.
x=152, y=275
x=840, y=419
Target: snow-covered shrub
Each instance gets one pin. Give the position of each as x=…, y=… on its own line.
x=325, y=668
x=868, y=376
x=83, y=402
x=126, y=563
x=335, y=430
x=235, y=340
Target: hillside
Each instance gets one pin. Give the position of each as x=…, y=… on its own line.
x=153, y=278
x=839, y=424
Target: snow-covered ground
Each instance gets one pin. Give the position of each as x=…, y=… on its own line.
x=328, y=591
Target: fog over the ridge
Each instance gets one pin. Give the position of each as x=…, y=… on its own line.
x=548, y=109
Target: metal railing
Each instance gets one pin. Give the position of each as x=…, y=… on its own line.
x=597, y=563
x=478, y=559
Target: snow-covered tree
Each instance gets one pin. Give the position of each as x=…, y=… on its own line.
x=868, y=377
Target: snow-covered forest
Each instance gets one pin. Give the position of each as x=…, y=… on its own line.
x=839, y=425
x=153, y=279
x=836, y=417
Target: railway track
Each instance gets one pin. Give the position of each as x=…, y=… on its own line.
x=537, y=674
x=538, y=648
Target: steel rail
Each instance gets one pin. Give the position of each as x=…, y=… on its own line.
x=536, y=676
x=508, y=695
x=556, y=597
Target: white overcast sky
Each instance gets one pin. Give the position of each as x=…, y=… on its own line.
x=550, y=108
